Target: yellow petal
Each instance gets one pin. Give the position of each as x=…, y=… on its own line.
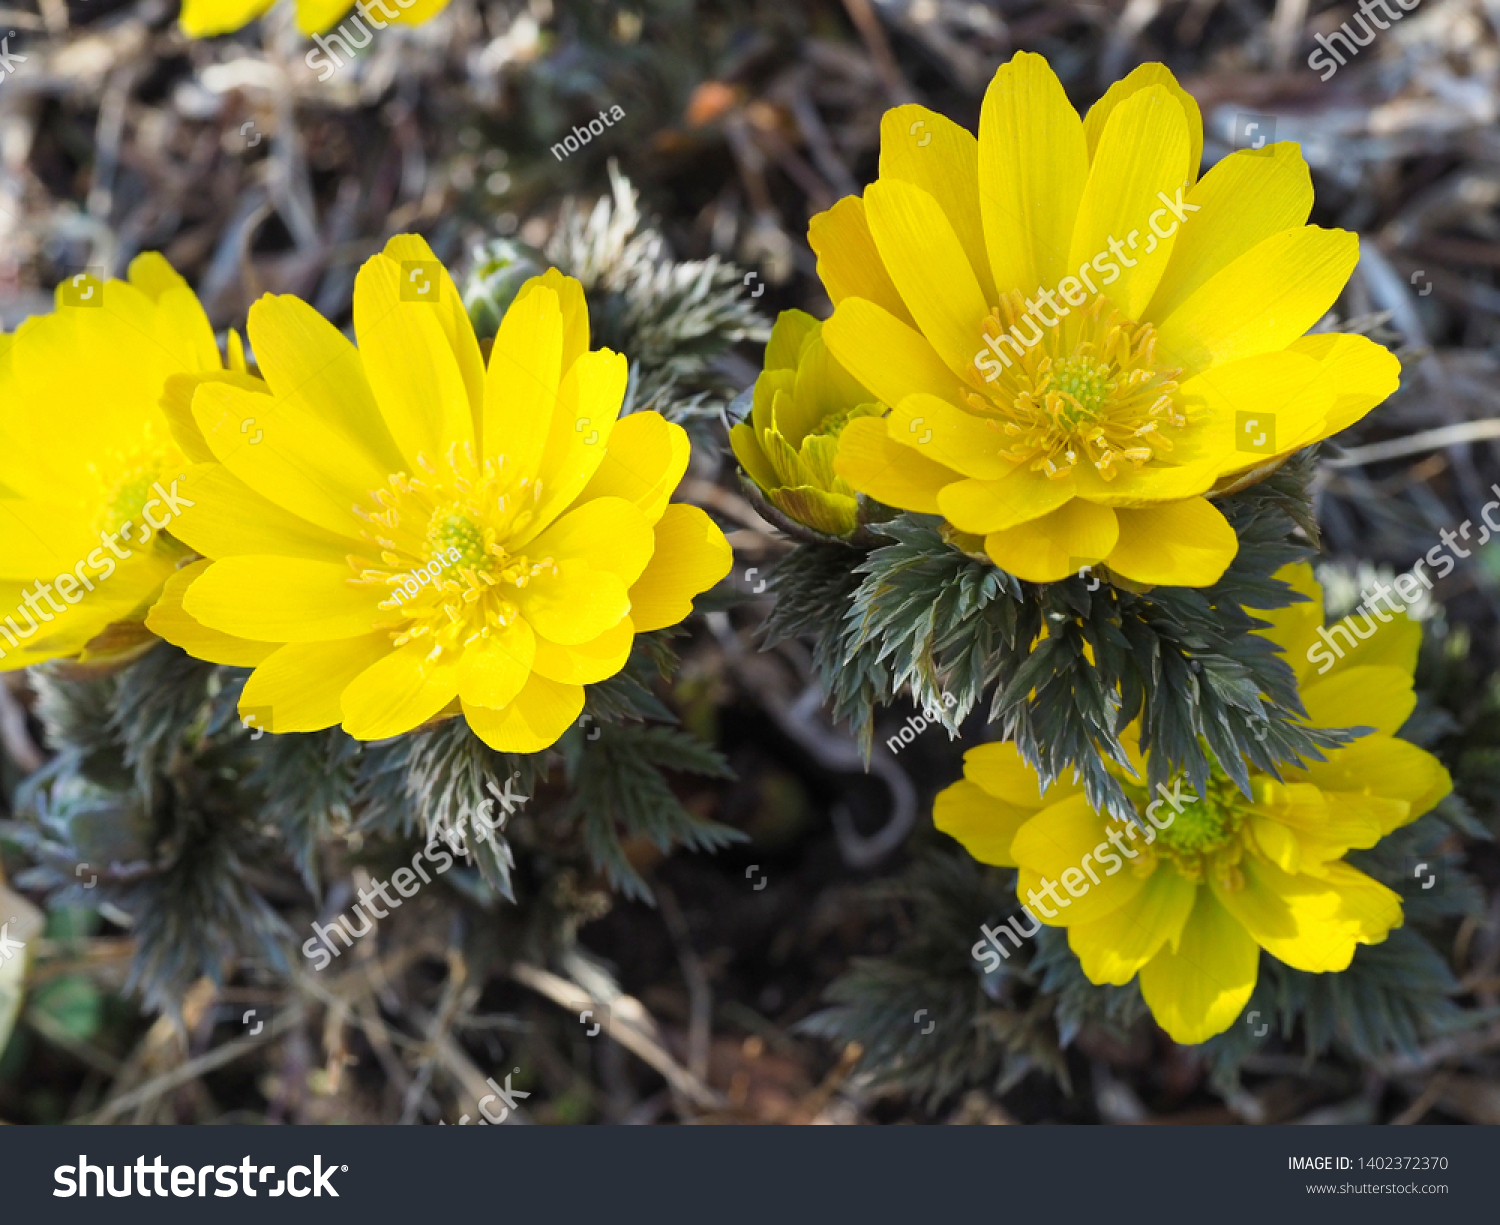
x=583, y=425
x=206, y=18
x=1053, y=846
x=168, y=620
x=1197, y=989
x=1033, y=163
x=319, y=16
x=1001, y=771
x=887, y=471
x=1181, y=544
x=299, y=464
x=1057, y=545
x=886, y=355
x=521, y=386
x=314, y=371
x=1243, y=200
x=536, y=720
x=1381, y=698
x=1386, y=767
x=299, y=687
x=398, y=692
x=930, y=151
x=848, y=263
x=1311, y=923
x=691, y=556
x=412, y=369
x=643, y=463
x=1295, y=628
x=1357, y=372
x=229, y=519
x=177, y=407
x=451, y=315
x=1141, y=162
x=1144, y=77
x=1261, y=302
x=575, y=603
x=1113, y=949
x=982, y=507
x=938, y=431
x=984, y=825
x=607, y=533
x=586, y=663
x=282, y=599
x=931, y=270
x=1274, y=401
x=495, y=668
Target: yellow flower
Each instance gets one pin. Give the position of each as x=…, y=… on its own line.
x=1211, y=880
x=89, y=471
x=1074, y=331
x=205, y=18
x=801, y=403
x=419, y=534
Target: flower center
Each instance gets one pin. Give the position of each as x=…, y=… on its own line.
x=1205, y=835
x=452, y=529
x=125, y=482
x=1084, y=389
x=444, y=568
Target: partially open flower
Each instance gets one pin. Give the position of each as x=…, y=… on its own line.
x=89, y=472
x=1078, y=338
x=421, y=533
x=1189, y=897
x=801, y=404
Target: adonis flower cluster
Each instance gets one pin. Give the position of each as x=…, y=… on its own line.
x=1052, y=337
x=275, y=518
x=1053, y=345
x=1064, y=327
x=1225, y=874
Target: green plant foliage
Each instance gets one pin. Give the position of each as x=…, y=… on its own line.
x=987, y=1031
x=618, y=791
x=920, y=616
x=672, y=318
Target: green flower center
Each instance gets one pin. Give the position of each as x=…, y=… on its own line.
x=1084, y=387
x=126, y=502
x=453, y=529
x=1204, y=836
x=1084, y=381
x=833, y=424
x=436, y=556
x=1203, y=826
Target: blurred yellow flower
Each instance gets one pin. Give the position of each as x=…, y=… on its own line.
x=205, y=18
x=420, y=533
x=1210, y=880
x=89, y=472
x=801, y=404
x=1079, y=338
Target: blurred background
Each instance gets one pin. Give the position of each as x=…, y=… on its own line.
x=744, y=981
